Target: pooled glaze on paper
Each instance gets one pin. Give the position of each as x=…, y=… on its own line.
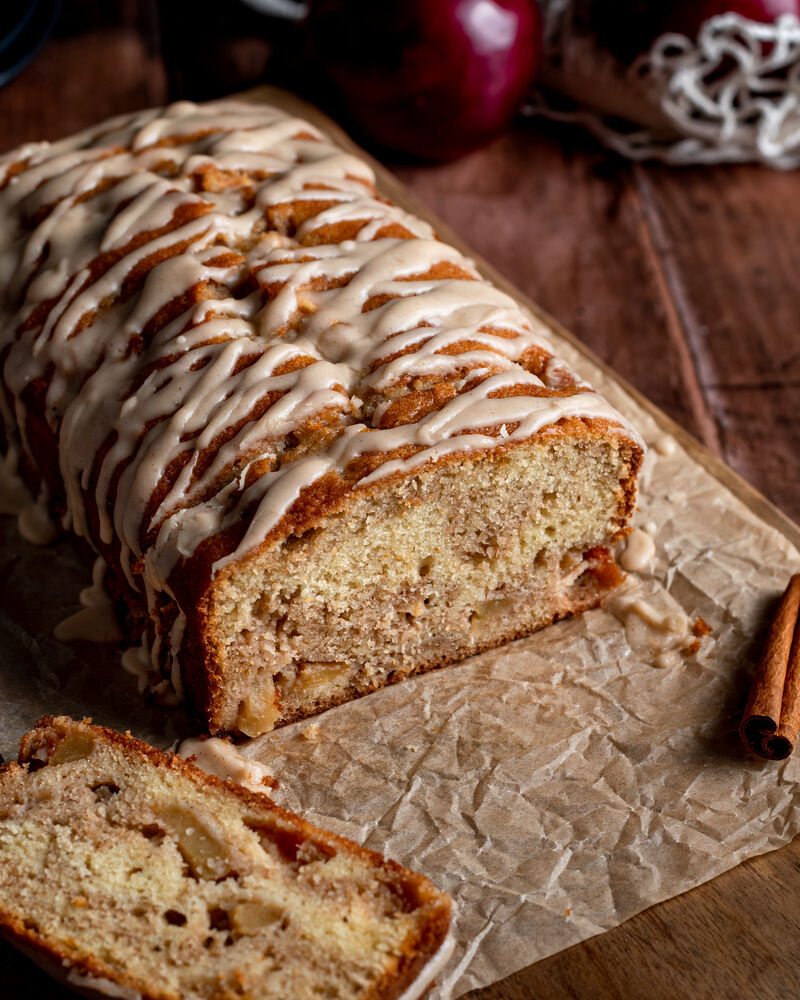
x=35, y=524
x=33, y=518
x=14, y=497
x=136, y=662
x=665, y=445
x=221, y=758
x=97, y=620
x=659, y=634
x=272, y=329
x=639, y=551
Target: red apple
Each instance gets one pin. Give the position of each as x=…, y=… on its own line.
x=430, y=78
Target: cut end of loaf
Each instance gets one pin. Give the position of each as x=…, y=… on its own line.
x=426, y=571
x=124, y=864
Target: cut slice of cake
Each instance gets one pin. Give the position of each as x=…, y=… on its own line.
x=131, y=873
x=317, y=451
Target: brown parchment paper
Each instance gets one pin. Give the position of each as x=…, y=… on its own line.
x=556, y=786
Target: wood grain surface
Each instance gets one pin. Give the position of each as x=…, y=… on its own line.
x=683, y=280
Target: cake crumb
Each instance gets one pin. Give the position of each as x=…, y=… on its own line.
x=700, y=627
x=311, y=732
x=411, y=747
x=568, y=911
x=80, y=901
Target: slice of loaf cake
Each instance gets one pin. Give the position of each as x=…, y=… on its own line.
x=316, y=450
x=130, y=872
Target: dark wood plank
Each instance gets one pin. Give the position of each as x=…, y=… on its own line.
x=103, y=59
x=729, y=242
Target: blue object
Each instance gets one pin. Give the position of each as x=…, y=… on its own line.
x=24, y=28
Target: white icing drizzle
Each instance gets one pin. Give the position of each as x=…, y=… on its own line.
x=97, y=620
x=430, y=970
x=639, y=552
x=665, y=445
x=223, y=759
x=33, y=516
x=142, y=662
x=35, y=524
x=204, y=352
x=136, y=661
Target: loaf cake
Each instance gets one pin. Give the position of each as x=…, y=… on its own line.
x=131, y=873
x=317, y=452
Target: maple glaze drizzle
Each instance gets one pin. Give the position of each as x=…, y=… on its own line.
x=209, y=307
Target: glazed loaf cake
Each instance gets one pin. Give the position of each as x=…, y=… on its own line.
x=316, y=450
x=129, y=872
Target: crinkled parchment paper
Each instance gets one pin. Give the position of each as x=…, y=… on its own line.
x=556, y=786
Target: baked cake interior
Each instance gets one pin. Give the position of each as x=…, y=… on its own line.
x=429, y=570
x=147, y=868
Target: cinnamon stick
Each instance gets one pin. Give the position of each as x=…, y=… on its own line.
x=772, y=717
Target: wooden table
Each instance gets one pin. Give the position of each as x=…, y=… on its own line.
x=684, y=280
